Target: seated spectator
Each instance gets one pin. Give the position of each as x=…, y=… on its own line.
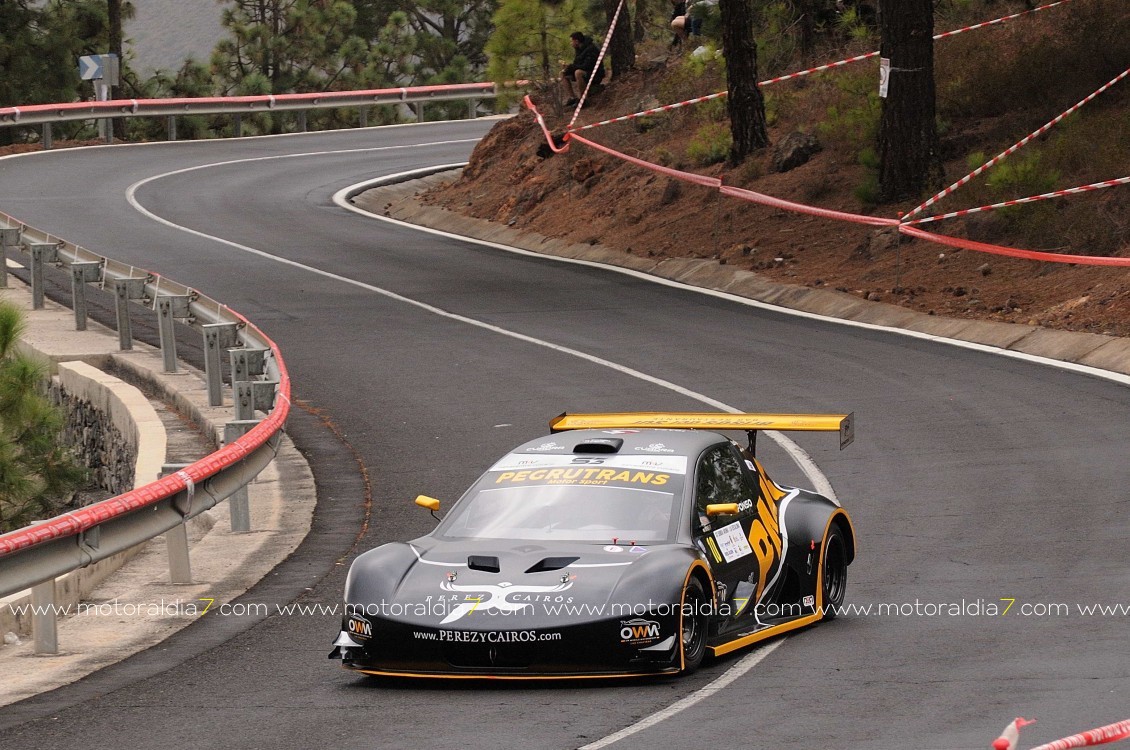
x=582, y=67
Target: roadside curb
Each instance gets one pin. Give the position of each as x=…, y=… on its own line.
x=400, y=201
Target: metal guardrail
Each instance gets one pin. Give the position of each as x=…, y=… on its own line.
x=43, y=551
x=46, y=114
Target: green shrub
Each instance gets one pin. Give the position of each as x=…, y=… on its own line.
x=710, y=144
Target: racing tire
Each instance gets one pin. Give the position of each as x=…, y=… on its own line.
x=693, y=625
x=833, y=572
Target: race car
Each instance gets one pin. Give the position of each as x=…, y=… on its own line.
x=619, y=545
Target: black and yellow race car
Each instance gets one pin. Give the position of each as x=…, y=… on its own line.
x=620, y=544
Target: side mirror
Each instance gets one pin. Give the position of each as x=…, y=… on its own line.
x=717, y=509
x=432, y=504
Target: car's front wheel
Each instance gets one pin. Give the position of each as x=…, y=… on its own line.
x=833, y=575
x=693, y=625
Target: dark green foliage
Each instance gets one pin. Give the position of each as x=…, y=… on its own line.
x=36, y=471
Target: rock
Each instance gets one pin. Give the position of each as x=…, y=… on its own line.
x=793, y=150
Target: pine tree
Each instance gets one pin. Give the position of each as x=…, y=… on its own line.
x=36, y=471
x=744, y=99
x=287, y=46
x=40, y=44
x=448, y=36
x=909, y=152
x=531, y=39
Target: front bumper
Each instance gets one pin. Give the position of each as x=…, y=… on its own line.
x=606, y=648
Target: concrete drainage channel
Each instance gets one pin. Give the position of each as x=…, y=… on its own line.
x=137, y=606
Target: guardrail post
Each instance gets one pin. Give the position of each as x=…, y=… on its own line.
x=9, y=238
x=124, y=291
x=252, y=395
x=217, y=336
x=48, y=140
x=44, y=628
x=238, y=506
x=169, y=307
x=364, y=116
x=171, y=127
x=472, y=108
x=301, y=121
x=41, y=252
x=81, y=274
x=176, y=541
x=419, y=111
x=247, y=364
x=237, y=125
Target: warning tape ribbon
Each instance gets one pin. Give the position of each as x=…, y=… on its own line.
x=1016, y=146
x=1102, y=735
x=809, y=71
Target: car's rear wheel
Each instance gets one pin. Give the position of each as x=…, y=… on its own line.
x=693, y=625
x=833, y=575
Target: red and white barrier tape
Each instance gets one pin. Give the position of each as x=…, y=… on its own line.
x=975, y=26
x=1015, y=147
x=544, y=129
x=1029, y=199
x=697, y=179
x=1110, y=733
x=1012, y=252
x=653, y=111
x=809, y=71
x=1101, y=736
x=827, y=213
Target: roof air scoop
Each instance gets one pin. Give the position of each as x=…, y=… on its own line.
x=483, y=562
x=552, y=563
x=599, y=445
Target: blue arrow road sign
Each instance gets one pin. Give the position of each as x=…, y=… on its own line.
x=90, y=67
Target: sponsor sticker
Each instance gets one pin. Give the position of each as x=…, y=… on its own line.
x=613, y=548
x=809, y=601
x=549, y=447
x=655, y=448
x=732, y=542
x=639, y=632
x=358, y=627
x=665, y=464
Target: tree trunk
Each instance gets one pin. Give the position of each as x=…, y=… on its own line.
x=806, y=17
x=909, y=157
x=622, y=49
x=744, y=100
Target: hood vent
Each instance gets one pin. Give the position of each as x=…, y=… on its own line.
x=599, y=445
x=552, y=563
x=483, y=562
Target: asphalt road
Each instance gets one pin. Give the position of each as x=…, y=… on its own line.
x=974, y=478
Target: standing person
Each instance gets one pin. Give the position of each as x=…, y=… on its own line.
x=584, y=62
x=678, y=21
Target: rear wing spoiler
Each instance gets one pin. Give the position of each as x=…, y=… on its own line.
x=751, y=423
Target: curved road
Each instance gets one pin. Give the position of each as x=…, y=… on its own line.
x=974, y=478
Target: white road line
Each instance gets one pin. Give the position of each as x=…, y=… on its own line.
x=748, y=662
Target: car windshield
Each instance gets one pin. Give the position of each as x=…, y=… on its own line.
x=578, y=504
